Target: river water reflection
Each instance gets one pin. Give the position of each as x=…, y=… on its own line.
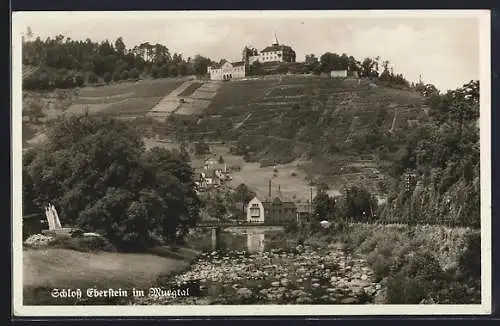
x=250, y=239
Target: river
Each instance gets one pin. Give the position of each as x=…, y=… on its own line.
x=259, y=265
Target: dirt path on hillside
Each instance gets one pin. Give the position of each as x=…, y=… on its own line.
x=170, y=103
x=200, y=99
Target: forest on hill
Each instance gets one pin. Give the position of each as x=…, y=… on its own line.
x=61, y=62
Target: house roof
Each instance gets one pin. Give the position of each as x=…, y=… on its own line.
x=277, y=202
x=234, y=64
x=210, y=174
x=238, y=64
x=276, y=47
x=303, y=207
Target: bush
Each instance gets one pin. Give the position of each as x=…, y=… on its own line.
x=406, y=290
x=470, y=261
x=291, y=227
x=92, y=78
x=124, y=75
x=419, y=277
x=380, y=264
x=134, y=73
x=85, y=244
x=116, y=76
x=107, y=77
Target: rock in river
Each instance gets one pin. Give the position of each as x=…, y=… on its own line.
x=303, y=300
x=244, y=293
x=275, y=284
x=284, y=282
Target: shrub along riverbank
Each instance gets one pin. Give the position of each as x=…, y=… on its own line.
x=417, y=264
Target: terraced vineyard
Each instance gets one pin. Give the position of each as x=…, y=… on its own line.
x=285, y=118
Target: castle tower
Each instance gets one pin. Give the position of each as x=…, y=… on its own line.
x=276, y=40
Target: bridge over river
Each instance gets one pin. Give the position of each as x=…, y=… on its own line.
x=231, y=236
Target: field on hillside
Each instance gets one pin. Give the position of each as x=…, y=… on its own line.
x=124, y=98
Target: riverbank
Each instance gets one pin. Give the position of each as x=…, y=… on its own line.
x=414, y=264
x=346, y=264
x=50, y=268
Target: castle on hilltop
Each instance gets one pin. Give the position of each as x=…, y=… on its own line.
x=228, y=70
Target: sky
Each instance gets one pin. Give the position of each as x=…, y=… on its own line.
x=441, y=47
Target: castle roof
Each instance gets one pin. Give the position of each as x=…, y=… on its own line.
x=277, y=47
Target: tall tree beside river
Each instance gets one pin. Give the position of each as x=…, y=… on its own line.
x=100, y=177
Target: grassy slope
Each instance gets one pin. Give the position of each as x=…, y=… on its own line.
x=115, y=100
x=125, y=98
x=45, y=269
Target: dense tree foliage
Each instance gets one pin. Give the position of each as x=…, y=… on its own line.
x=359, y=204
x=99, y=176
x=323, y=204
x=444, y=155
x=242, y=194
x=61, y=62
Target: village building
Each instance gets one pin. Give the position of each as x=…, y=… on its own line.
x=211, y=174
x=277, y=211
x=227, y=70
x=338, y=73
x=255, y=211
x=304, y=211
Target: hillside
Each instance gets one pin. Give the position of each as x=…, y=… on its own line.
x=335, y=125
x=343, y=132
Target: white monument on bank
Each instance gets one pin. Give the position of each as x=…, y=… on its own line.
x=52, y=217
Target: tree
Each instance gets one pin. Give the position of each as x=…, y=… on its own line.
x=200, y=65
x=216, y=207
x=99, y=176
x=104, y=58
x=359, y=203
x=369, y=68
x=120, y=46
x=323, y=204
x=243, y=194
x=311, y=62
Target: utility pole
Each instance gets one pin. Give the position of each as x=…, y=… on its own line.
x=311, y=199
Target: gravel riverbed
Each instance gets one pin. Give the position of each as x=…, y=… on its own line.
x=305, y=275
